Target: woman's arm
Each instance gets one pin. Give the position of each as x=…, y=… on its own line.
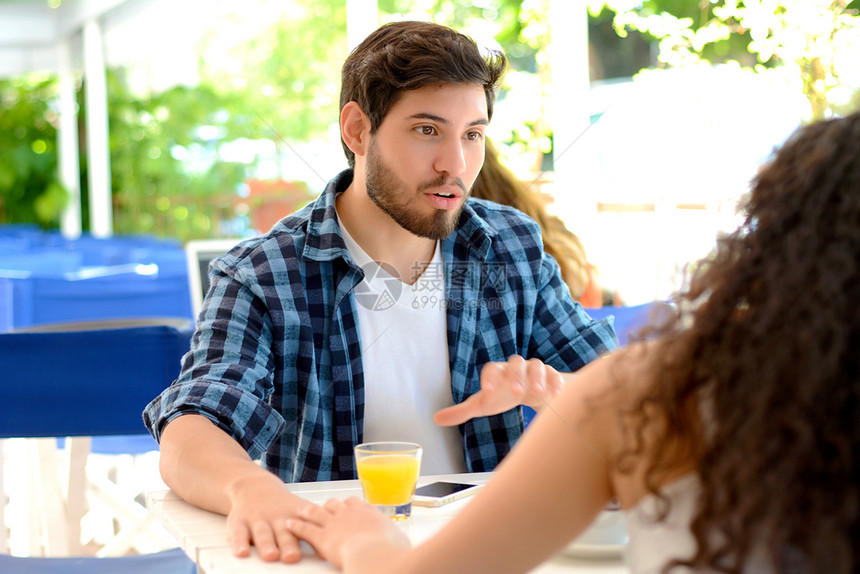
x=548, y=490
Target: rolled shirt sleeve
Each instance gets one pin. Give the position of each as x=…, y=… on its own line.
x=228, y=374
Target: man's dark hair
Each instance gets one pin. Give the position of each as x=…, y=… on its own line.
x=404, y=56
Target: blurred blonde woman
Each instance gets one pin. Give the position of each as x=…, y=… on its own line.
x=497, y=183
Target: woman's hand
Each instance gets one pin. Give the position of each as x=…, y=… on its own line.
x=347, y=531
x=504, y=386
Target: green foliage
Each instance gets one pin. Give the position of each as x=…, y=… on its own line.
x=29, y=189
x=809, y=36
x=169, y=172
x=687, y=22
x=166, y=174
x=172, y=172
x=521, y=30
x=289, y=80
x=170, y=176
x=509, y=19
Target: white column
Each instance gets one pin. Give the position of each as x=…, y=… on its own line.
x=362, y=18
x=569, y=114
x=67, y=144
x=98, y=149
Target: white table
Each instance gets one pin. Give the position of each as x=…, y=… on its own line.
x=203, y=535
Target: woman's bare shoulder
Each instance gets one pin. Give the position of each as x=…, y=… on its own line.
x=620, y=392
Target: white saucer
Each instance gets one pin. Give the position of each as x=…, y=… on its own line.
x=574, y=550
x=605, y=538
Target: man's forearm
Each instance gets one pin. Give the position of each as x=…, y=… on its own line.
x=203, y=464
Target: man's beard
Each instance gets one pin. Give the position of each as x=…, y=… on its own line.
x=388, y=192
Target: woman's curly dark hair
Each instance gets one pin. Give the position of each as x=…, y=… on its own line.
x=765, y=348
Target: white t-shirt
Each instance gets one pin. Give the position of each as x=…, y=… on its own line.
x=404, y=351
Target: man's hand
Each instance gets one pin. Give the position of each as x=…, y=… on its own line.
x=207, y=467
x=339, y=528
x=260, y=508
x=503, y=387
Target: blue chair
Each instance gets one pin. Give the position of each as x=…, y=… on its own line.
x=52, y=279
x=90, y=293
x=627, y=320
x=173, y=561
x=88, y=379
x=5, y=304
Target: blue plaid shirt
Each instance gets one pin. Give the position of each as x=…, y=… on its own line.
x=276, y=357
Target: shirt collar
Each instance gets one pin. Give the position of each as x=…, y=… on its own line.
x=324, y=241
x=472, y=231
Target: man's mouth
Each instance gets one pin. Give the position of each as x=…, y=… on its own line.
x=443, y=185
x=445, y=197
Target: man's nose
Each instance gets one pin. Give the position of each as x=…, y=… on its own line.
x=451, y=158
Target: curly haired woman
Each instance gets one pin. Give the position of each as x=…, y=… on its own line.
x=730, y=440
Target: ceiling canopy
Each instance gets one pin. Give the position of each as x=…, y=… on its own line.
x=31, y=31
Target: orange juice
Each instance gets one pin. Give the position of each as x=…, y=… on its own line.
x=388, y=479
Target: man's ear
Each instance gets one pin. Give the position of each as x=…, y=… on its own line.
x=355, y=128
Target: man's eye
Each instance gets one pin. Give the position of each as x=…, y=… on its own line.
x=474, y=135
x=427, y=130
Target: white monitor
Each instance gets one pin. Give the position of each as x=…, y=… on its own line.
x=199, y=254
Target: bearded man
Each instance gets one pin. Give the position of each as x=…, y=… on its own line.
x=370, y=313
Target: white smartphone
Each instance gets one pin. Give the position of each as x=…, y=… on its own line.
x=440, y=493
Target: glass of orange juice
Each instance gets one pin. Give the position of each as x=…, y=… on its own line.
x=388, y=472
